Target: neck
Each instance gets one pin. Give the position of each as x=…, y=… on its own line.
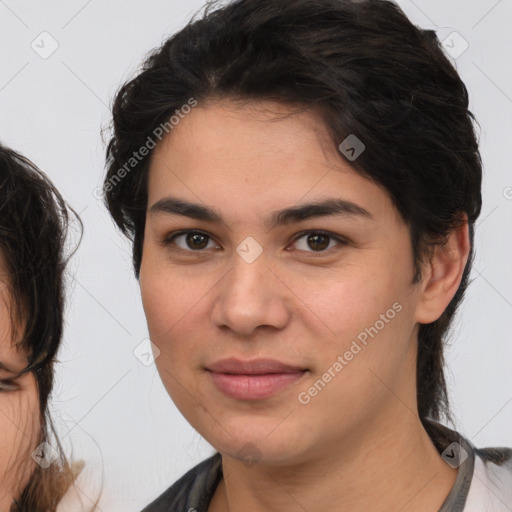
x=391, y=466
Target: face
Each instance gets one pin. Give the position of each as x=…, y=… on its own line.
x=19, y=406
x=324, y=293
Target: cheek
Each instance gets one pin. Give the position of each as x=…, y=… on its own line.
x=157, y=293
x=166, y=301
x=372, y=354
x=369, y=311
x=172, y=296
x=341, y=303
x=20, y=431
x=171, y=306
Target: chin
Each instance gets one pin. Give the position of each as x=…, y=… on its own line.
x=259, y=447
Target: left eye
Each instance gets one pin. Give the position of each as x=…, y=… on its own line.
x=318, y=240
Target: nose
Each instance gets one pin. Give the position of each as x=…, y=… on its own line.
x=251, y=295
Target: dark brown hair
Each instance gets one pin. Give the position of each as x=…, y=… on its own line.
x=368, y=71
x=34, y=220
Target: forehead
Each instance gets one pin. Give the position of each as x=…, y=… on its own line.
x=254, y=159
x=228, y=131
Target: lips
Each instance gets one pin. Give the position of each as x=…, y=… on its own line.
x=253, y=380
x=254, y=367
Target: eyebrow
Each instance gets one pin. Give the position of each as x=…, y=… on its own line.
x=327, y=207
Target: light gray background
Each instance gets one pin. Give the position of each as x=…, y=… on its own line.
x=52, y=110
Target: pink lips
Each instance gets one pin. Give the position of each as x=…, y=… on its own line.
x=253, y=380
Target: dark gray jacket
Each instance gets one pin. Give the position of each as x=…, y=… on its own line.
x=483, y=484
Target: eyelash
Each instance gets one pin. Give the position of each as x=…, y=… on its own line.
x=8, y=385
x=168, y=241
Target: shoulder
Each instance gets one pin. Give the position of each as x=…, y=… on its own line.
x=84, y=492
x=193, y=490
x=491, y=485
x=484, y=475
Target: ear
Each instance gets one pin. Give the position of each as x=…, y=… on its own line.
x=442, y=275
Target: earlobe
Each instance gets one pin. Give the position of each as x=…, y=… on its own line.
x=443, y=274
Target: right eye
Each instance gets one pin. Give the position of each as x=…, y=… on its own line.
x=191, y=238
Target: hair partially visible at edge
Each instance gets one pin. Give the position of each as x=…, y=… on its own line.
x=34, y=222
x=368, y=71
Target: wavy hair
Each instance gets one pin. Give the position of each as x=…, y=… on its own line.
x=367, y=70
x=34, y=220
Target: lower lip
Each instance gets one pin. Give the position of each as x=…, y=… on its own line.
x=254, y=387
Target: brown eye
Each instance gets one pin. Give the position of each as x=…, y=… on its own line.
x=189, y=240
x=318, y=241
x=196, y=240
